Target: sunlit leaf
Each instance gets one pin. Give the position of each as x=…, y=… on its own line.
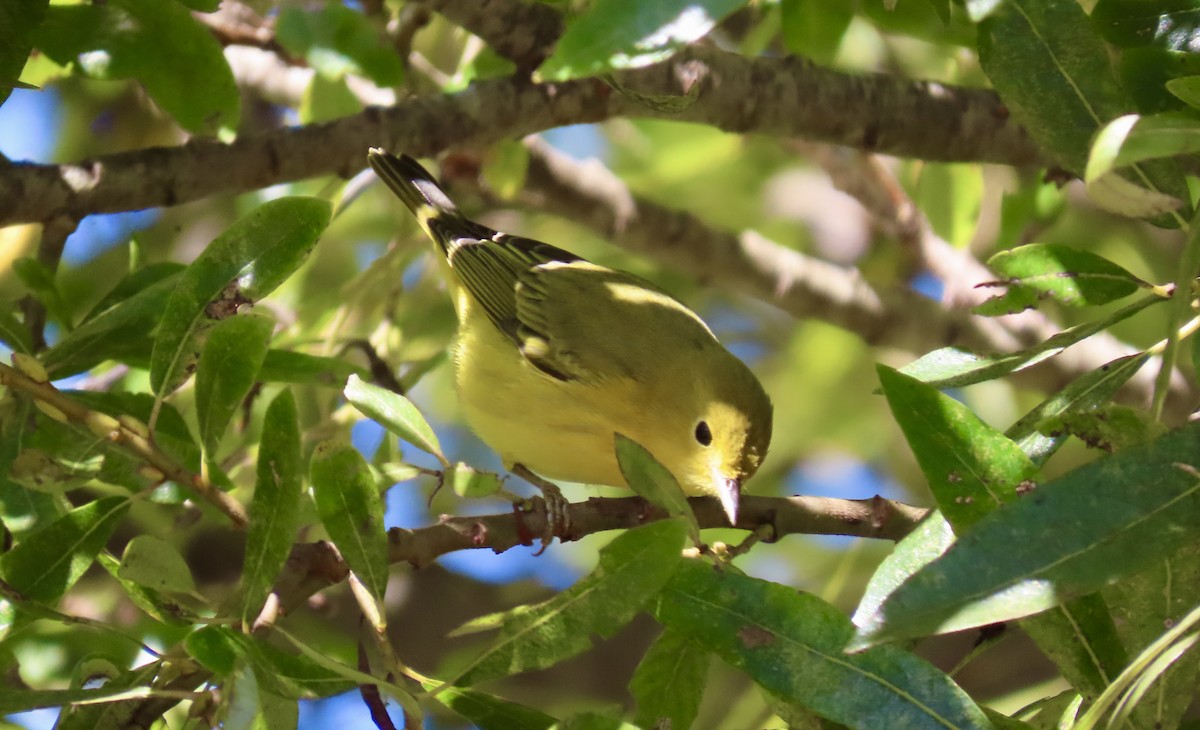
x=244, y=264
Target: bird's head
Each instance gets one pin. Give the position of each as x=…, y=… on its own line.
x=718, y=435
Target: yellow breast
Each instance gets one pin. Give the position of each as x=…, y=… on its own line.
x=557, y=428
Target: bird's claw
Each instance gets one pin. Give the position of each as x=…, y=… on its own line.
x=558, y=509
x=558, y=514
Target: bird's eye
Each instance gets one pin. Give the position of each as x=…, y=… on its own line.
x=703, y=434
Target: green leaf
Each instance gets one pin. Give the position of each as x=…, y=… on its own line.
x=275, y=508
x=1069, y=537
x=45, y=564
x=1081, y=639
x=490, y=712
x=669, y=682
x=13, y=333
x=119, y=331
x=336, y=41
x=652, y=481
x=285, y=366
x=1149, y=74
x=953, y=367
x=814, y=29
x=1109, y=427
x=932, y=537
x=792, y=645
x=135, y=282
x=594, y=721
x=465, y=480
x=951, y=195
x=153, y=603
x=13, y=701
x=395, y=413
x=216, y=648
x=1041, y=271
x=229, y=362
x=617, y=34
x=1133, y=138
x=18, y=21
x=157, y=43
x=40, y=280
x=1053, y=74
x=1171, y=24
x=1147, y=667
x=1081, y=395
x=1146, y=604
x=1186, y=89
x=327, y=98
x=632, y=569
x=155, y=563
x=970, y=467
x=21, y=510
x=244, y=264
x=505, y=168
x=349, y=506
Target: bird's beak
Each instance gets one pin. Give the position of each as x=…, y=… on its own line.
x=729, y=491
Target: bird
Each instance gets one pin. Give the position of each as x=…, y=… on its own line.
x=554, y=355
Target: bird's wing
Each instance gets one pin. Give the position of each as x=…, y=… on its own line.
x=492, y=265
x=584, y=322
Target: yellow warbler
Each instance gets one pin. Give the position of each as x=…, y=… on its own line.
x=554, y=355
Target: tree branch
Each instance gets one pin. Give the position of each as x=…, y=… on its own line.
x=807, y=287
x=523, y=32
x=786, y=97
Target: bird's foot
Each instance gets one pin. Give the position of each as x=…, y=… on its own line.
x=558, y=509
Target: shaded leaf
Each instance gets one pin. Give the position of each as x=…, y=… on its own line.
x=1081, y=395
x=18, y=20
x=284, y=366
x=45, y=564
x=13, y=333
x=1146, y=605
x=1171, y=24
x=351, y=510
x=792, y=644
x=275, y=508
x=632, y=569
x=490, y=712
x=153, y=603
x=1071, y=536
x=244, y=264
x=122, y=330
x=155, y=563
x=227, y=369
x=669, y=682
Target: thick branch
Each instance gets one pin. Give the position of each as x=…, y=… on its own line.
x=786, y=97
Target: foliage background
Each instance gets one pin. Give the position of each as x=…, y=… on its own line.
x=194, y=116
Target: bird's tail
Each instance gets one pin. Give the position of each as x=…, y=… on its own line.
x=413, y=184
